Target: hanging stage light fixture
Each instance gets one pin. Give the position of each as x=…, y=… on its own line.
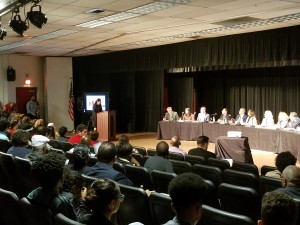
x=2, y=33
x=16, y=24
x=37, y=18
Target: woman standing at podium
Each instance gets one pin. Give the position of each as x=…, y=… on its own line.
x=97, y=107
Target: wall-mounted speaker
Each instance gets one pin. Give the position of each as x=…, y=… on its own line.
x=11, y=74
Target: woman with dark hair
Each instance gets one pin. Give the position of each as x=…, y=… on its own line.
x=97, y=107
x=81, y=155
x=103, y=198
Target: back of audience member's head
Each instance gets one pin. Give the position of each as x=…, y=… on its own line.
x=49, y=169
x=278, y=209
x=25, y=119
x=62, y=131
x=39, y=122
x=175, y=141
x=73, y=182
x=202, y=140
x=20, y=138
x=39, y=144
x=284, y=159
x=107, y=152
x=27, y=127
x=162, y=149
x=86, y=140
x=81, y=127
x=123, y=139
x=50, y=132
x=100, y=195
x=4, y=124
x=291, y=176
x=81, y=156
x=41, y=130
x=124, y=150
x=13, y=123
x=94, y=135
x=187, y=191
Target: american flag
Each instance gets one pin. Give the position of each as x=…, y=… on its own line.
x=71, y=103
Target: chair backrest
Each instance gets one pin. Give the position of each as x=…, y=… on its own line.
x=220, y=163
x=138, y=157
x=60, y=219
x=4, y=145
x=176, y=156
x=88, y=180
x=245, y=167
x=161, y=180
x=9, y=171
x=180, y=167
x=119, y=167
x=145, y=158
x=160, y=207
x=240, y=200
x=264, y=169
x=33, y=214
x=56, y=150
x=135, y=207
x=298, y=203
x=140, y=149
x=139, y=176
x=27, y=182
x=211, y=173
x=193, y=159
x=212, y=216
x=211, y=196
x=66, y=146
x=55, y=144
x=240, y=178
x=8, y=206
x=267, y=184
x=151, y=151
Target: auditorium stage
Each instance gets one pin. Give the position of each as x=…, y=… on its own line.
x=148, y=140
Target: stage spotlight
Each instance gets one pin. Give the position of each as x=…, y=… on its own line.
x=2, y=33
x=37, y=18
x=17, y=25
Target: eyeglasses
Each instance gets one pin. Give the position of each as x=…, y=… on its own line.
x=121, y=197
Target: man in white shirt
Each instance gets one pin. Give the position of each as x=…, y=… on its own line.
x=203, y=116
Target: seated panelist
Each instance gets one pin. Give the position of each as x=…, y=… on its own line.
x=241, y=118
x=171, y=115
x=203, y=116
x=188, y=115
x=251, y=119
x=268, y=120
x=225, y=117
x=283, y=120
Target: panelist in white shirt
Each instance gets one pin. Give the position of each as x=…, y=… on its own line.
x=251, y=119
x=268, y=120
x=203, y=116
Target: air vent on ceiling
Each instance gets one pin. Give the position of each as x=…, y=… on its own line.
x=236, y=21
x=94, y=11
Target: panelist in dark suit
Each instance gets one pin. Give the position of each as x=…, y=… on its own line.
x=103, y=168
x=203, y=116
x=225, y=117
x=241, y=118
x=201, y=150
x=171, y=115
x=294, y=120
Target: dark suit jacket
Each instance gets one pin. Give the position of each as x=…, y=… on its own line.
x=103, y=170
x=244, y=118
x=202, y=152
x=159, y=163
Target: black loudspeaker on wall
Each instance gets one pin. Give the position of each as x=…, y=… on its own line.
x=11, y=74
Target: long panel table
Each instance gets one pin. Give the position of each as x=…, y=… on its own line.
x=259, y=138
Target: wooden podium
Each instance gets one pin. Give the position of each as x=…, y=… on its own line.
x=106, y=125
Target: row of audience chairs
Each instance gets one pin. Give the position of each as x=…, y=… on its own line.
x=15, y=211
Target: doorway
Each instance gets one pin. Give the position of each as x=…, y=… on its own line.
x=23, y=95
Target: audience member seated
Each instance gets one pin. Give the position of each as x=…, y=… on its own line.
x=278, y=209
x=49, y=171
x=282, y=160
x=74, y=190
x=124, y=152
x=62, y=131
x=95, y=142
x=28, y=127
x=268, y=120
x=283, y=120
x=160, y=161
x=291, y=181
x=187, y=192
x=39, y=146
x=103, y=168
x=103, y=198
x=81, y=131
x=39, y=122
x=13, y=126
x=4, y=124
x=171, y=115
x=251, y=119
x=41, y=130
x=241, y=118
x=175, y=142
x=188, y=116
x=81, y=155
x=203, y=116
x=20, y=140
x=51, y=132
x=225, y=117
x=201, y=150
x=294, y=121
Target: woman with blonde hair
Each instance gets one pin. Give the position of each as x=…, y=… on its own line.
x=283, y=120
x=268, y=120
